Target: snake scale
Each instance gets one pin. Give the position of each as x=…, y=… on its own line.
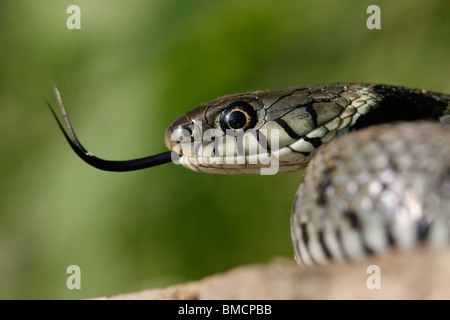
x=377, y=158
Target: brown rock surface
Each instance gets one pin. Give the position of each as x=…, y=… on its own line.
x=418, y=274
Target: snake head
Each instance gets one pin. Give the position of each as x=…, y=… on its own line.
x=223, y=136
x=277, y=129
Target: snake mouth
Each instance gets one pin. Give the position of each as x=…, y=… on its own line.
x=202, y=148
x=253, y=151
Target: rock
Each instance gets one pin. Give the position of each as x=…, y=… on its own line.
x=417, y=274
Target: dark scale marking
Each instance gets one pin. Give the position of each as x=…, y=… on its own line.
x=324, y=245
x=389, y=235
x=355, y=223
x=313, y=114
x=262, y=140
x=305, y=238
x=403, y=104
x=306, y=154
x=393, y=164
x=367, y=249
x=215, y=144
x=191, y=134
x=189, y=117
x=205, y=116
x=423, y=228
x=316, y=142
x=304, y=234
x=324, y=183
x=288, y=129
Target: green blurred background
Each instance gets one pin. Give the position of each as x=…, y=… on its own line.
x=131, y=70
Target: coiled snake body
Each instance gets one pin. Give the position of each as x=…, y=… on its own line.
x=386, y=184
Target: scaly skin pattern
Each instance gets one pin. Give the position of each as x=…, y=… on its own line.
x=387, y=185
x=382, y=184
x=305, y=117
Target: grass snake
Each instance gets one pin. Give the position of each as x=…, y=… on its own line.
x=377, y=158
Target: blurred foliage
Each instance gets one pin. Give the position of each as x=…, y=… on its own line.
x=131, y=70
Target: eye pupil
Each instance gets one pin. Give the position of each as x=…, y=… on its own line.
x=236, y=119
x=239, y=115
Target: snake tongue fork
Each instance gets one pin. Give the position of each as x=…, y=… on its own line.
x=107, y=165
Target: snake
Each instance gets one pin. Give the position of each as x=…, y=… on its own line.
x=377, y=160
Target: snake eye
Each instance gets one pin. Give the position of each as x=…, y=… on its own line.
x=238, y=116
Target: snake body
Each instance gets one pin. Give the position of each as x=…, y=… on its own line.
x=375, y=187
x=378, y=160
